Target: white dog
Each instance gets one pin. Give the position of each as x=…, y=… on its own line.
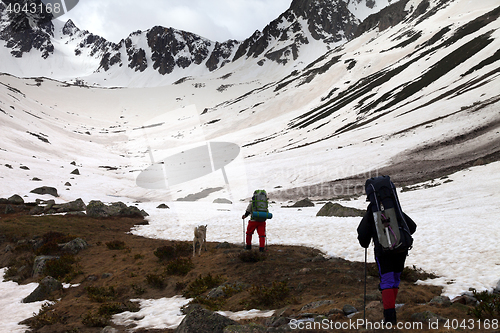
x=200, y=236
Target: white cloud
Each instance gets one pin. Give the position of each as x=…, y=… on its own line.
x=217, y=20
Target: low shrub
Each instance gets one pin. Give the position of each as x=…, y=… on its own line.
x=155, y=281
x=138, y=290
x=61, y=268
x=50, y=242
x=91, y=319
x=45, y=317
x=101, y=294
x=179, y=266
x=202, y=284
x=115, y=245
x=413, y=274
x=276, y=295
x=109, y=309
x=251, y=256
x=174, y=251
x=488, y=305
x=212, y=304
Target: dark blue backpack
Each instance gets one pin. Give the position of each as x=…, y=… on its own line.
x=392, y=230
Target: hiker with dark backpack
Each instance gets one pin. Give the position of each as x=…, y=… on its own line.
x=259, y=213
x=391, y=230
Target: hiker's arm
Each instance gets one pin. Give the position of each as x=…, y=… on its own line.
x=365, y=230
x=248, y=211
x=411, y=224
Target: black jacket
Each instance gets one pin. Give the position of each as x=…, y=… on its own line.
x=367, y=232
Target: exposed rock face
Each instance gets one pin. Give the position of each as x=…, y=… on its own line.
x=387, y=17
x=280, y=41
x=26, y=31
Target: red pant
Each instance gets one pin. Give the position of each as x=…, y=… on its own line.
x=261, y=230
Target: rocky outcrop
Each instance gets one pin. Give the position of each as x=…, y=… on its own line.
x=282, y=39
x=25, y=31
x=97, y=209
x=386, y=18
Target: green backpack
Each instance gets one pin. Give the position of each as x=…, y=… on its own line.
x=259, y=204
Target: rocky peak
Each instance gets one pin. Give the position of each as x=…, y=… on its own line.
x=387, y=17
x=327, y=21
x=70, y=28
x=24, y=30
x=171, y=47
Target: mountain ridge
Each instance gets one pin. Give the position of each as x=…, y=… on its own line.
x=167, y=50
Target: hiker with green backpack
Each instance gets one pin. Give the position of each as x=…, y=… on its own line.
x=258, y=211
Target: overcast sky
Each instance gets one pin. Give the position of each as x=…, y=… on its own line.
x=217, y=20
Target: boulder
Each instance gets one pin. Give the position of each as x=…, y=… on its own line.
x=97, y=209
x=75, y=246
x=9, y=210
x=349, y=309
x=427, y=317
x=497, y=288
x=39, y=264
x=335, y=209
x=301, y=203
x=201, y=320
x=48, y=205
x=15, y=200
x=45, y=190
x=46, y=287
x=441, y=300
x=316, y=304
x=74, y=206
x=222, y=201
x=163, y=206
x=37, y=210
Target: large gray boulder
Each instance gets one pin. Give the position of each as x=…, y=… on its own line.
x=75, y=246
x=45, y=190
x=201, y=320
x=303, y=203
x=16, y=200
x=46, y=287
x=74, y=206
x=335, y=209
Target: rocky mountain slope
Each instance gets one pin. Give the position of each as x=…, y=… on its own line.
x=307, y=27
x=414, y=88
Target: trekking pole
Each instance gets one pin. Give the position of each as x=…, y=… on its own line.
x=364, y=295
x=243, y=232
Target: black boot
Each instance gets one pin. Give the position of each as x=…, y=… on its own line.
x=261, y=249
x=248, y=247
x=390, y=316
